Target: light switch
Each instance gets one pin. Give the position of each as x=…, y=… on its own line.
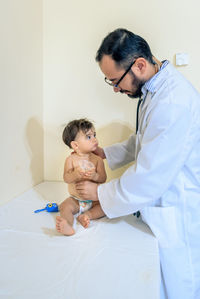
x=182, y=58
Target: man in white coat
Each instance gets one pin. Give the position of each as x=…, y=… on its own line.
x=164, y=182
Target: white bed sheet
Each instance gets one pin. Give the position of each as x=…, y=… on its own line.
x=115, y=258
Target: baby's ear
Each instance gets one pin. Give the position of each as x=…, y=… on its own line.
x=74, y=145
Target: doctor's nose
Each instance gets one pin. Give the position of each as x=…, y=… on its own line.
x=116, y=88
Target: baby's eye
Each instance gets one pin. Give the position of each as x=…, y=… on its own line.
x=88, y=137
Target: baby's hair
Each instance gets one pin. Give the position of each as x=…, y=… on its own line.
x=75, y=126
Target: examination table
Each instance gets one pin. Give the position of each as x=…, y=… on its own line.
x=111, y=259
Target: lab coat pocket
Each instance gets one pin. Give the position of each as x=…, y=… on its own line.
x=163, y=222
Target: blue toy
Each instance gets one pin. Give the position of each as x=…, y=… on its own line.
x=50, y=207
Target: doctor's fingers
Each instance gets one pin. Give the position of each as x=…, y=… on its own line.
x=81, y=189
x=87, y=190
x=81, y=185
x=100, y=152
x=86, y=184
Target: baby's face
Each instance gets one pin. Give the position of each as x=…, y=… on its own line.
x=87, y=142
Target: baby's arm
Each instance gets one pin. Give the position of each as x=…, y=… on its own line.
x=101, y=171
x=72, y=174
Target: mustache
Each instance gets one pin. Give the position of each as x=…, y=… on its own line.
x=124, y=90
x=136, y=95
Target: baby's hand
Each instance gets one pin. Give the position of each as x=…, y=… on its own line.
x=91, y=175
x=79, y=173
x=88, y=169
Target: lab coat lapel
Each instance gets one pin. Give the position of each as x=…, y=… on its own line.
x=142, y=116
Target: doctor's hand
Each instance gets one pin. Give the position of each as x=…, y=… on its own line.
x=100, y=152
x=87, y=190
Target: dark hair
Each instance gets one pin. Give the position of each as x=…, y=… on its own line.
x=73, y=127
x=124, y=46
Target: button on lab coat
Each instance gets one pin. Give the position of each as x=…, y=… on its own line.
x=164, y=181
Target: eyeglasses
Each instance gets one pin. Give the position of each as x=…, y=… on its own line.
x=122, y=77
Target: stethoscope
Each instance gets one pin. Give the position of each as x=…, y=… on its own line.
x=137, y=113
x=137, y=214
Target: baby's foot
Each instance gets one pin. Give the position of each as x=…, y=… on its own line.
x=63, y=226
x=84, y=220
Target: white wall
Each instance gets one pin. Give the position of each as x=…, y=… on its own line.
x=21, y=96
x=73, y=84
x=47, y=59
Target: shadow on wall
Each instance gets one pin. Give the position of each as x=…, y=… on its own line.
x=55, y=153
x=35, y=146
x=114, y=132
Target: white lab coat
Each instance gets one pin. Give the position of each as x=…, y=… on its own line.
x=164, y=182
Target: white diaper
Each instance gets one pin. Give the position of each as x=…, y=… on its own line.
x=84, y=205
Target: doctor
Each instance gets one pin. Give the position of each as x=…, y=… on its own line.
x=164, y=182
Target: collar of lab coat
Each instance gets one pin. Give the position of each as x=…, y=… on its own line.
x=153, y=84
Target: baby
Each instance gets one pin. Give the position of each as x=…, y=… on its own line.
x=82, y=164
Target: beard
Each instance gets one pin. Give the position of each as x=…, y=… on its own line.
x=137, y=85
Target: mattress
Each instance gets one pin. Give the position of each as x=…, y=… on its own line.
x=112, y=258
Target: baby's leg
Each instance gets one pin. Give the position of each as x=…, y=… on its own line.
x=94, y=213
x=64, y=222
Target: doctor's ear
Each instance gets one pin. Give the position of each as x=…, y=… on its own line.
x=140, y=65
